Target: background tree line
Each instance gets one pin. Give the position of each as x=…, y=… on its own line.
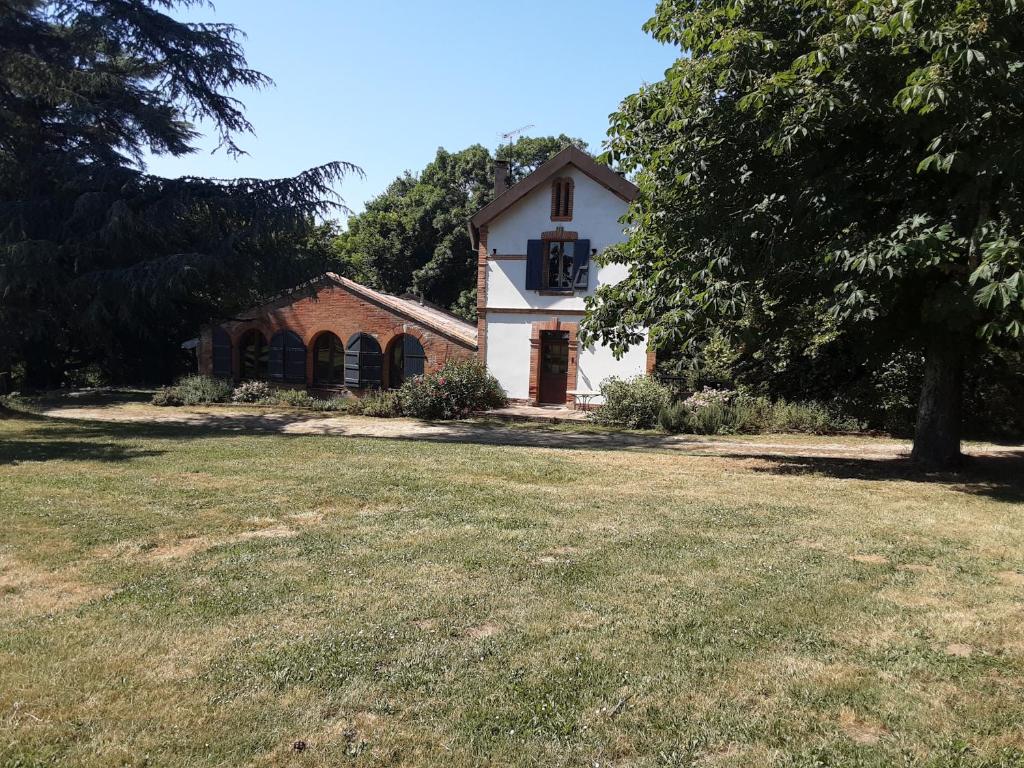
x=414, y=237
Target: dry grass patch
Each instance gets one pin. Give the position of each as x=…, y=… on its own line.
x=27, y=590
x=414, y=603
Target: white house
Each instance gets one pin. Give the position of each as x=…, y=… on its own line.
x=536, y=242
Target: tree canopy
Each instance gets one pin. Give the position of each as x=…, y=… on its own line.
x=414, y=238
x=101, y=263
x=857, y=161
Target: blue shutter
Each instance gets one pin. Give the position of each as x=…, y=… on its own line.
x=221, y=353
x=581, y=265
x=294, y=358
x=413, y=357
x=534, y=265
x=363, y=361
x=275, y=357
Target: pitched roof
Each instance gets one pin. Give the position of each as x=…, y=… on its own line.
x=431, y=317
x=571, y=155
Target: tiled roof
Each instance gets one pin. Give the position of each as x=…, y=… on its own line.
x=431, y=317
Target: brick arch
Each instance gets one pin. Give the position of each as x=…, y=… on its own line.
x=535, y=332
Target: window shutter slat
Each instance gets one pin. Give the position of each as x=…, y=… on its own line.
x=534, y=265
x=294, y=358
x=363, y=361
x=221, y=353
x=581, y=265
x=275, y=357
x=413, y=357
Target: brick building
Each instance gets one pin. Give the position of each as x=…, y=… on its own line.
x=334, y=333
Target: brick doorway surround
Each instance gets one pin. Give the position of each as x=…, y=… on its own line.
x=552, y=325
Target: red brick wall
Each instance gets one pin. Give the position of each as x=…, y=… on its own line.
x=481, y=296
x=338, y=311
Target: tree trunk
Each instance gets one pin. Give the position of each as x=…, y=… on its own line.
x=937, y=437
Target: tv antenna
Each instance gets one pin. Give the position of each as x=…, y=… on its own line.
x=512, y=135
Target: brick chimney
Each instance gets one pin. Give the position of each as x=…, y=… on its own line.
x=502, y=177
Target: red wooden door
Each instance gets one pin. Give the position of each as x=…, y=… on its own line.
x=554, y=367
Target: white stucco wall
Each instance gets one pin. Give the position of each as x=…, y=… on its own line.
x=596, y=214
x=508, y=355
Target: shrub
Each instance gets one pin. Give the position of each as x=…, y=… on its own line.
x=254, y=392
x=674, y=418
x=330, y=404
x=813, y=418
x=297, y=398
x=709, y=396
x=194, y=390
x=456, y=390
x=742, y=414
x=385, y=404
x=634, y=403
x=167, y=396
x=713, y=419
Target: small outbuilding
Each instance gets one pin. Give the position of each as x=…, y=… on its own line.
x=333, y=333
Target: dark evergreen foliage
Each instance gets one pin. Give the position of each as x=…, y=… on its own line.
x=102, y=264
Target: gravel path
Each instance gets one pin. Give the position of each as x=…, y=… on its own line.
x=291, y=423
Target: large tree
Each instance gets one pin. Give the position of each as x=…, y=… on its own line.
x=413, y=237
x=864, y=157
x=101, y=263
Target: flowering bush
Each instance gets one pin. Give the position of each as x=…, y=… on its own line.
x=456, y=390
x=633, y=403
x=709, y=396
x=254, y=392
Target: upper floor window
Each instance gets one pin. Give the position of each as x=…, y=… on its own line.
x=561, y=199
x=559, y=265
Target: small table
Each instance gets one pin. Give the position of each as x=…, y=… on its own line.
x=581, y=398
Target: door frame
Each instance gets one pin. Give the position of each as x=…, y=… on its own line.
x=555, y=324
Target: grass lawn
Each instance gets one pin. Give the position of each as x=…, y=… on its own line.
x=191, y=597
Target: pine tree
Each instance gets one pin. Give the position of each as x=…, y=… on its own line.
x=100, y=262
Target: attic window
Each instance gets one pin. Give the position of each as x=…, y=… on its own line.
x=561, y=199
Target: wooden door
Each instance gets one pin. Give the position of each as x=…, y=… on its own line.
x=554, y=367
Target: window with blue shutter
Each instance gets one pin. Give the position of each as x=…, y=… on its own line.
x=287, y=358
x=534, y=265
x=221, y=353
x=406, y=359
x=581, y=266
x=363, y=361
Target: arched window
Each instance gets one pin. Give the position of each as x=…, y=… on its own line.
x=221, y=353
x=362, y=361
x=252, y=351
x=405, y=359
x=287, y=358
x=328, y=361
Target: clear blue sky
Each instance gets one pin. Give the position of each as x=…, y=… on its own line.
x=384, y=83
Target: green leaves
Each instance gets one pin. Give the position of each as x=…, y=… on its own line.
x=866, y=155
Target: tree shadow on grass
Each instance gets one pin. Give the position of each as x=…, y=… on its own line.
x=45, y=449
x=998, y=475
